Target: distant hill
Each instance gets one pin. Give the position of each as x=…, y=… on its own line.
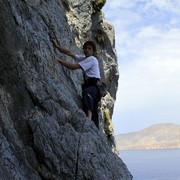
x=160, y=136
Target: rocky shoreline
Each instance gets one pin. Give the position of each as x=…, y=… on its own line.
x=160, y=136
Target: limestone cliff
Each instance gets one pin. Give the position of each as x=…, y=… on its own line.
x=44, y=134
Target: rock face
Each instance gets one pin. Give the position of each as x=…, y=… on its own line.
x=159, y=136
x=44, y=134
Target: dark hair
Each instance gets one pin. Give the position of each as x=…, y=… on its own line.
x=90, y=43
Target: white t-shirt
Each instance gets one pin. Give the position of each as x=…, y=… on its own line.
x=90, y=65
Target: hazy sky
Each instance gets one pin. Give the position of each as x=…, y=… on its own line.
x=148, y=49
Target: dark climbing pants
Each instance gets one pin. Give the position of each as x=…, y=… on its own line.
x=91, y=98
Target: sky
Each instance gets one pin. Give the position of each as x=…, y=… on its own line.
x=147, y=36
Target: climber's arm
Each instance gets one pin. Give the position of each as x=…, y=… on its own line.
x=68, y=64
x=62, y=49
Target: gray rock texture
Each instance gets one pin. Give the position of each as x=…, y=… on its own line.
x=44, y=134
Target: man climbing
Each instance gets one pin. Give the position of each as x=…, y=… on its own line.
x=90, y=66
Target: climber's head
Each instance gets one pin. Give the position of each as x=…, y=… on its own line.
x=89, y=48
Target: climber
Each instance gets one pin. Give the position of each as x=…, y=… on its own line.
x=90, y=66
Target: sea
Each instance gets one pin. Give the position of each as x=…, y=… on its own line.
x=152, y=164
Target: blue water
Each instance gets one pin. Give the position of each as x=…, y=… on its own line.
x=153, y=164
